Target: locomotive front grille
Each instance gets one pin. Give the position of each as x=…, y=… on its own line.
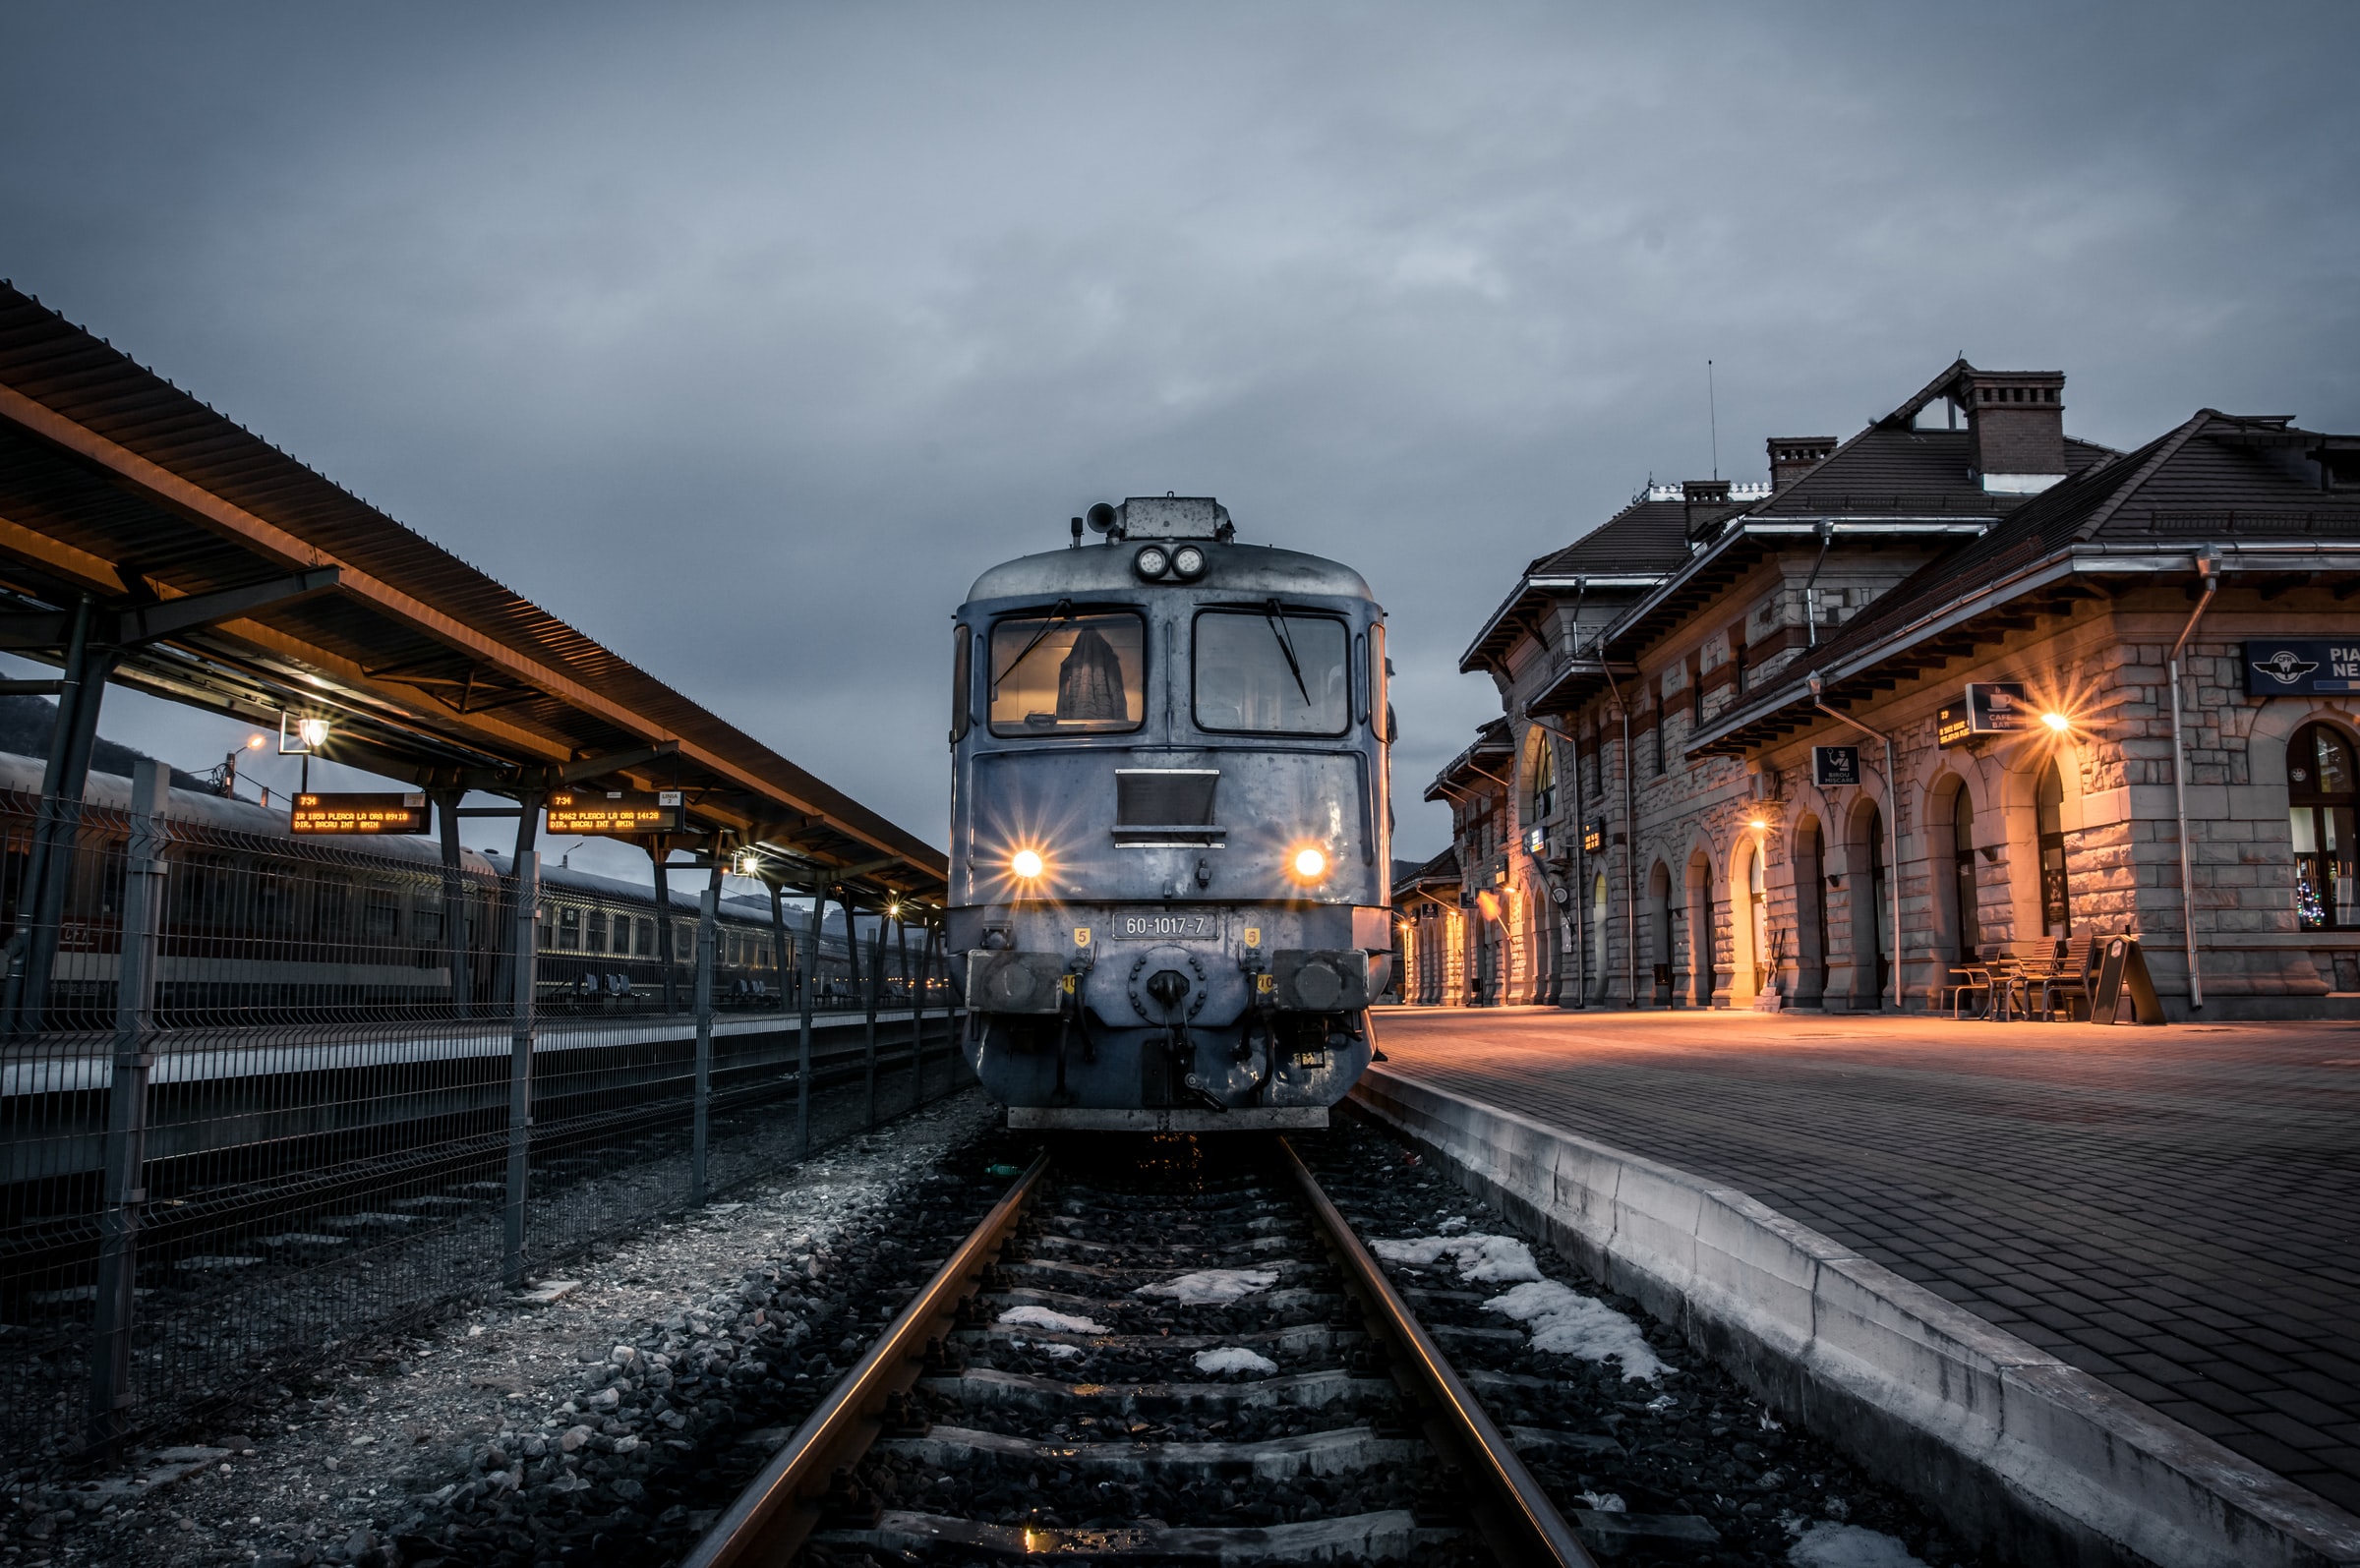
x=1158, y=807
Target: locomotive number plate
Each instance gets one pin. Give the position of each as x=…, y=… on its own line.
x=1167, y=925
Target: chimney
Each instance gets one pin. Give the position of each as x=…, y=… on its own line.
x=2014, y=428
x=1792, y=456
x=1707, y=502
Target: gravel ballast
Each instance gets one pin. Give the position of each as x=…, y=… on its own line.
x=603, y=1423
x=1687, y=1440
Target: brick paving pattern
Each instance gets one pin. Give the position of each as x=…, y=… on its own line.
x=2176, y=1210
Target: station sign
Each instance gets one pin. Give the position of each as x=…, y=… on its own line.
x=616, y=812
x=2301, y=667
x=1593, y=836
x=1989, y=708
x=1834, y=765
x=391, y=812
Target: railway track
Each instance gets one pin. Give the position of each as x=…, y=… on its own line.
x=1257, y=1392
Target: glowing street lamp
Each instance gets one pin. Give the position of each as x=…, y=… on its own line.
x=2056, y=722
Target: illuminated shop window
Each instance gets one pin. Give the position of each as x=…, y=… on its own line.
x=2321, y=794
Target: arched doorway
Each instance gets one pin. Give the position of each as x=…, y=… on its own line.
x=1756, y=962
x=1659, y=933
x=1810, y=913
x=1868, y=911
x=2323, y=789
x=2048, y=815
x=1700, y=980
x=1965, y=924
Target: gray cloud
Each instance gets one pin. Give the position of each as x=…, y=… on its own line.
x=744, y=338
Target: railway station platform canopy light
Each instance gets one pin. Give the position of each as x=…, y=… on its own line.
x=174, y=551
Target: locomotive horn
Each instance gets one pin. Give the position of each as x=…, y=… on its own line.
x=1101, y=518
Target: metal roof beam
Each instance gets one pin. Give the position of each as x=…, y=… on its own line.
x=143, y=624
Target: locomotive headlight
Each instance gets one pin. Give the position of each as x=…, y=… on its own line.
x=1308, y=863
x=1152, y=562
x=1188, y=563
x=1027, y=864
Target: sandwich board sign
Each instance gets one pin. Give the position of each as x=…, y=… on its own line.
x=2122, y=976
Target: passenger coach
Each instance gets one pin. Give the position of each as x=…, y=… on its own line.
x=1169, y=826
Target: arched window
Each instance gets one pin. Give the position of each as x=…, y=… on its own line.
x=1964, y=920
x=2321, y=790
x=2048, y=806
x=1544, y=782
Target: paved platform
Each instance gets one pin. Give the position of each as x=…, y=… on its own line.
x=2176, y=1210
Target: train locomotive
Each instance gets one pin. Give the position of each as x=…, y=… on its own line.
x=1170, y=832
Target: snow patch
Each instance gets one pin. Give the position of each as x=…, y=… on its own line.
x=1054, y=1322
x=1565, y=1322
x=1233, y=1359
x=1492, y=1259
x=1605, y=1502
x=1212, y=1287
x=1831, y=1545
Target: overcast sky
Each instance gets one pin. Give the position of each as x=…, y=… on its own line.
x=745, y=340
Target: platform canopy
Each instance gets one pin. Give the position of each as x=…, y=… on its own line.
x=221, y=572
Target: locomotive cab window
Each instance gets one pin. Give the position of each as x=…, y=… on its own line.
x=1272, y=672
x=1068, y=674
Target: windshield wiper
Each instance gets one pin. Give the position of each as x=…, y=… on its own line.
x=1287, y=646
x=1063, y=611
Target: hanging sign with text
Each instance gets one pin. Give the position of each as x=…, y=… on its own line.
x=1834, y=765
x=2301, y=667
x=616, y=812
x=1990, y=707
x=349, y=812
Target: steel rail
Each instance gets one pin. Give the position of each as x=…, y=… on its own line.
x=1514, y=1515
x=777, y=1512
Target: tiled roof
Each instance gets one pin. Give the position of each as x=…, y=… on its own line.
x=1895, y=472
x=2217, y=478
x=1442, y=867
x=1638, y=544
x=1646, y=537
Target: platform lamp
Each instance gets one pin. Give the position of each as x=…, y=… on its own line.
x=310, y=735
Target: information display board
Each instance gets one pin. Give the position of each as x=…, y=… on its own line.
x=1593, y=836
x=616, y=812
x=392, y=812
x=1834, y=765
x=1990, y=707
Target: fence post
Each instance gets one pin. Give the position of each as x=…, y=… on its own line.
x=57, y=826
x=454, y=902
x=524, y=944
x=806, y=981
x=918, y=1020
x=876, y=986
x=111, y=1392
x=708, y=913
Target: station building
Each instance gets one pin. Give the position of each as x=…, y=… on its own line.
x=1813, y=742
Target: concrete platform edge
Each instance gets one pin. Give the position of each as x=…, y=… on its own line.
x=2025, y=1453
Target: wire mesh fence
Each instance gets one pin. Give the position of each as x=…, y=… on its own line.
x=261, y=1094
